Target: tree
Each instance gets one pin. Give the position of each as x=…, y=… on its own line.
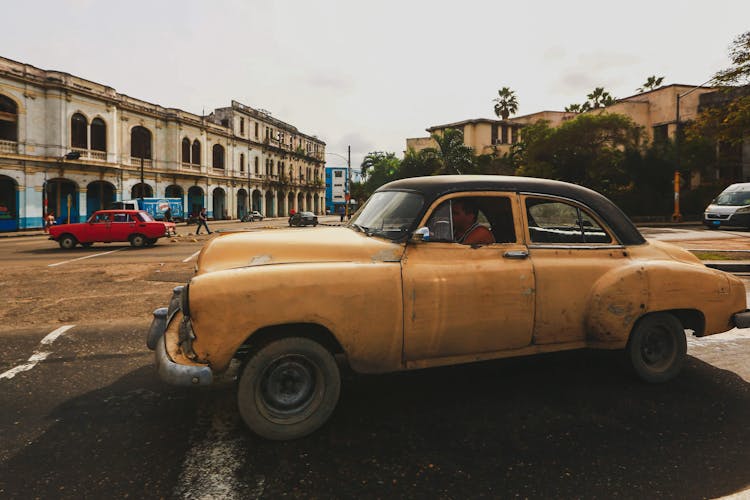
x=573, y=108
x=382, y=167
x=652, y=82
x=589, y=150
x=452, y=155
x=599, y=97
x=371, y=159
x=728, y=120
x=506, y=104
x=739, y=54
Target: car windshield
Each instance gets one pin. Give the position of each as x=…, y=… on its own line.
x=733, y=198
x=389, y=214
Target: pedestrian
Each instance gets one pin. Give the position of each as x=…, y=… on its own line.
x=168, y=214
x=49, y=221
x=202, y=221
x=342, y=214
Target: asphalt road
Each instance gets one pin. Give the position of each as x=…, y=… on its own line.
x=84, y=416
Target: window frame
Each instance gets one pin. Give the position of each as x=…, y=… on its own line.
x=615, y=243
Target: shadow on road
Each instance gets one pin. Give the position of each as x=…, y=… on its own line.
x=564, y=425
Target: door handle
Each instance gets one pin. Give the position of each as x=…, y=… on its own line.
x=516, y=254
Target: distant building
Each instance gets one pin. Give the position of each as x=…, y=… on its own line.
x=488, y=136
x=336, y=188
x=234, y=160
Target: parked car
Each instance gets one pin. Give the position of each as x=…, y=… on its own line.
x=303, y=219
x=730, y=208
x=567, y=270
x=252, y=216
x=107, y=226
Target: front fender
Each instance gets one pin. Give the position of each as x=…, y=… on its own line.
x=359, y=303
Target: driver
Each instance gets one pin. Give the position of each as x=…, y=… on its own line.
x=466, y=229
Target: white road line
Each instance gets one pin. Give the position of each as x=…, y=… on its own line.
x=192, y=256
x=84, y=257
x=38, y=355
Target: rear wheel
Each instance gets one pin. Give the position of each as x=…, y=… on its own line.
x=67, y=242
x=137, y=240
x=288, y=388
x=657, y=347
x=151, y=242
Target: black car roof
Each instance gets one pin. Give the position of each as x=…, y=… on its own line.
x=435, y=186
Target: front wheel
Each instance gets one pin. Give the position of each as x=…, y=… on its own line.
x=657, y=348
x=288, y=388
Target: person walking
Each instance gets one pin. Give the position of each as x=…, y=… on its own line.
x=49, y=221
x=202, y=221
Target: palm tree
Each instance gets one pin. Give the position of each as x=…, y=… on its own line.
x=599, y=97
x=651, y=83
x=573, y=108
x=506, y=104
x=452, y=154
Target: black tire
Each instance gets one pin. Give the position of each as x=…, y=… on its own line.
x=67, y=241
x=288, y=388
x=657, y=348
x=138, y=241
x=87, y=244
x=151, y=241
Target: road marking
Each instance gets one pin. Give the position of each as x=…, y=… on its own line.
x=84, y=257
x=192, y=256
x=38, y=355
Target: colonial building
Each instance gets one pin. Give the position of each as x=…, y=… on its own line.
x=71, y=146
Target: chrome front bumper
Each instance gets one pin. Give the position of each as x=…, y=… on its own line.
x=169, y=371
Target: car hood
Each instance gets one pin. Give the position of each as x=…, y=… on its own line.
x=286, y=246
x=723, y=209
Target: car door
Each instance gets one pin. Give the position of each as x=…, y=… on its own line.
x=464, y=300
x=570, y=249
x=98, y=228
x=123, y=225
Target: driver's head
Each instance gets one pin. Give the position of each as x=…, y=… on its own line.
x=464, y=211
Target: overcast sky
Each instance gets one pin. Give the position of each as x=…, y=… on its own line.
x=371, y=73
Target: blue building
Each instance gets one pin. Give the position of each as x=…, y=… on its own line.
x=336, y=189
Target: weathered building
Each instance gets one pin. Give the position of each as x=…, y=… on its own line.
x=71, y=146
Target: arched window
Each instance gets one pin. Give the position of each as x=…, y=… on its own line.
x=242, y=162
x=186, y=150
x=140, y=143
x=98, y=135
x=8, y=119
x=78, y=132
x=218, y=157
x=196, y=152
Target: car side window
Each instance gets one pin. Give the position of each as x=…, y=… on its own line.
x=554, y=221
x=494, y=213
x=122, y=218
x=100, y=218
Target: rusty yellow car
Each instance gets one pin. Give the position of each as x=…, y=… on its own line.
x=429, y=272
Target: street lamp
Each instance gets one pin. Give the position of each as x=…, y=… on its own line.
x=677, y=216
x=348, y=159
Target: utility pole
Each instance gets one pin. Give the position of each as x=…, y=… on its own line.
x=348, y=194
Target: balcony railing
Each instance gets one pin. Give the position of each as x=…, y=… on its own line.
x=8, y=147
x=136, y=162
x=90, y=154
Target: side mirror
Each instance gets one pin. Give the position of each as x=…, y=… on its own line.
x=421, y=234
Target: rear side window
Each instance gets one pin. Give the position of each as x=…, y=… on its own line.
x=554, y=221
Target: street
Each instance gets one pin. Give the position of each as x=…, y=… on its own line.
x=85, y=415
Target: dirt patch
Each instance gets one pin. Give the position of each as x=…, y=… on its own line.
x=92, y=294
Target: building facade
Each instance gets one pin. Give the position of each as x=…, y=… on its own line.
x=71, y=146
x=336, y=189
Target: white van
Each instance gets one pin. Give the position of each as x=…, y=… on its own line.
x=730, y=208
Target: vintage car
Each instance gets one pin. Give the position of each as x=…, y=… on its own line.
x=303, y=219
x=567, y=270
x=252, y=216
x=107, y=226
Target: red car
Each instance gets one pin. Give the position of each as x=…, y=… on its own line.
x=106, y=226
